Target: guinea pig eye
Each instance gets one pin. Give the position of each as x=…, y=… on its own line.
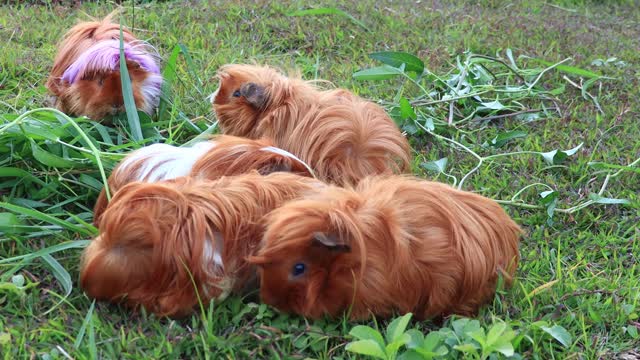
x=298, y=269
x=236, y=93
x=101, y=81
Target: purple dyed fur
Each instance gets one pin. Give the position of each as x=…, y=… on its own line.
x=105, y=55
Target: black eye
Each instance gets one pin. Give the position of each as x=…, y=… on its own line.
x=236, y=93
x=100, y=81
x=298, y=269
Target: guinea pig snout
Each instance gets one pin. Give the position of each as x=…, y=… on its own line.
x=116, y=108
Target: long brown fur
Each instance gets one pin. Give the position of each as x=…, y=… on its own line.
x=343, y=137
x=157, y=240
x=230, y=155
x=97, y=95
x=395, y=244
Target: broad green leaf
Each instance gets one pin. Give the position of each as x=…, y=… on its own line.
x=9, y=222
x=406, y=110
x=329, y=11
x=5, y=338
x=479, y=336
x=432, y=340
x=366, y=347
x=392, y=348
x=557, y=156
x=168, y=75
x=127, y=95
x=494, y=333
x=383, y=72
x=438, y=166
x=504, y=347
x=559, y=333
x=604, y=200
x=412, y=355
x=50, y=159
x=510, y=57
x=493, y=105
x=362, y=332
x=396, y=59
x=416, y=338
x=396, y=328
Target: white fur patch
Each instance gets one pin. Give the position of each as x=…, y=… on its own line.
x=275, y=150
x=212, y=97
x=213, y=265
x=165, y=162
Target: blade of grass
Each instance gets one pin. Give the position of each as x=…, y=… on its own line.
x=127, y=95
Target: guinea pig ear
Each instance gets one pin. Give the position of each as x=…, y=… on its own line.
x=331, y=242
x=255, y=94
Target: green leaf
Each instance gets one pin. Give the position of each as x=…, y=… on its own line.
x=46, y=218
x=50, y=159
x=556, y=157
x=604, y=200
x=432, y=341
x=127, y=95
x=9, y=222
x=502, y=138
x=328, y=11
x=59, y=273
x=413, y=355
x=438, y=166
x=383, y=72
x=559, y=333
x=493, y=105
x=571, y=69
x=505, y=348
x=495, y=332
x=416, y=338
x=406, y=110
x=366, y=347
x=362, y=332
x=396, y=328
x=397, y=59
x=17, y=280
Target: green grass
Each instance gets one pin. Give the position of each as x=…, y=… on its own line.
x=578, y=271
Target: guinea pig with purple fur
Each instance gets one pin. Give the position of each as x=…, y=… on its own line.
x=85, y=78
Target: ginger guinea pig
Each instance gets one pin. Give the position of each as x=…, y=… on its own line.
x=167, y=245
x=341, y=136
x=395, y=244
x=223, y=155
x=85, y=78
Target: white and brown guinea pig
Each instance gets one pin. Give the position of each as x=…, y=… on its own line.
x=341, y=136
x=165, y=246
x=85, y=78
x=222, y=155
x=394, y=244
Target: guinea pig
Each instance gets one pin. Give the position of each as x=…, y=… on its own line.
x=391, y=244
x=85, y=78
x=223, y=155
x=341, y=136
x=166, y=246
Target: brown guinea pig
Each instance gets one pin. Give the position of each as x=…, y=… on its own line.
x=395, y=244
x=223, y=155
x=85, y=78
x=167, y=245
x=341, y=136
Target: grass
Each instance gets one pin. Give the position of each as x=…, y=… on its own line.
x=576, y=295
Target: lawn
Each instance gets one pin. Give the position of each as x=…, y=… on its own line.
x=504, y=85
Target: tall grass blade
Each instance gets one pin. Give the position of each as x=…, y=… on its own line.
x=127, y=95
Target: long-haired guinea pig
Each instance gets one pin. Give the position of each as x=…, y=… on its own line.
x=394, y=244
x=85, y=78
x=223, y=155
x=341, y=136
x=166, y=245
